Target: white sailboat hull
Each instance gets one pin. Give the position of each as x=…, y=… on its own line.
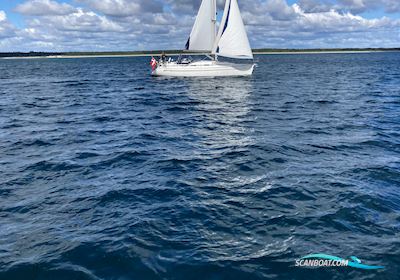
x=203, y=69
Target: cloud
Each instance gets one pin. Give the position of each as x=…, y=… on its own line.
x=275, y=24
x=59, y=26
x=279, y=10
x=392, y=6
x=315, y=6
x=7, y=30
x=189, y=6
x=124, y=8
x=44, y=8
x=3, y=16
x=353, y=6
x=89, y=25
x=276, y=14
x=333, y=21
x=80, y=20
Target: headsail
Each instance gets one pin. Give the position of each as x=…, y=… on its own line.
x=202, y=36
x=232, y=40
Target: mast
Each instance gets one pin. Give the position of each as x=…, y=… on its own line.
x=214, y=17
x=214, y=21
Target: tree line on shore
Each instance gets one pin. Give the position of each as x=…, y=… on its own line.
x=157, y=52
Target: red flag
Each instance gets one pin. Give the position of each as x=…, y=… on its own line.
x=153, y=63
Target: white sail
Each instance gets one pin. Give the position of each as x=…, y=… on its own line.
x=202, y=36
x=232, y=40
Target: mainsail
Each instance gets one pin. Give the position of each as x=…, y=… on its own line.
x=231, y=40
x=202, y=36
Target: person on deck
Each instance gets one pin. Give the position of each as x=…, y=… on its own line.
x=163, y=57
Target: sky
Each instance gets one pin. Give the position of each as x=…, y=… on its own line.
x=128, y=25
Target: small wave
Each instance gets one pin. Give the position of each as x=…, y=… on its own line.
x=325, y=101
x=75, y=84
x=144, y=195
x=86, y=155
x=36, y=142
x=103, y=119
x=177, y=109
x=324, y=147
x=53, y=166
x=128, y=156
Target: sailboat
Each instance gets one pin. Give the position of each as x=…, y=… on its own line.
x=230, y=41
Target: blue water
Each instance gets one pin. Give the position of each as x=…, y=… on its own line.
x=108, y=173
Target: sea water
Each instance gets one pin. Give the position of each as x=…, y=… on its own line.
x=109, y=173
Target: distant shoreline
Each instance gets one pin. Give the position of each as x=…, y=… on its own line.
x=44, y=55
